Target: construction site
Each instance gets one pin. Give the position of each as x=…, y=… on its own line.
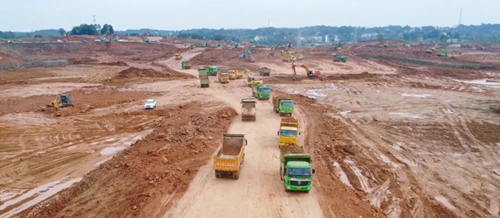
x=390, y=130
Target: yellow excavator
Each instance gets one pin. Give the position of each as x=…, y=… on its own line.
x=252, y=80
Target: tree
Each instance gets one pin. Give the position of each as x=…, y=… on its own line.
x=84, y=29
x=106, y=28
x=444, y=38
x=380, y=38
x=62, y=31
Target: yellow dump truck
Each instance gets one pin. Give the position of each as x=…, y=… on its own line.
x=230, y=157
x=178, y=56
x=288, y=132
x=223, y=77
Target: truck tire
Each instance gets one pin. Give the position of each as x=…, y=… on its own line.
x=237, y=175
x=308, y=191
x=217, y=174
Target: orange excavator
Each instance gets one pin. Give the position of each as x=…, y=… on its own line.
x=310, y=73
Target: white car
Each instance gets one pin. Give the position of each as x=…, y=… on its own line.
x=150, y=104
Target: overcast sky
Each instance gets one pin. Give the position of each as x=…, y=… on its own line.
x=30, y=15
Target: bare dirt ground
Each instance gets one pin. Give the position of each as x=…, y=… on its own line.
x=394, y=132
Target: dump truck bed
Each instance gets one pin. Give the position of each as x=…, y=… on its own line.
x=289, y=122
x=291, y=149
x=231, y=153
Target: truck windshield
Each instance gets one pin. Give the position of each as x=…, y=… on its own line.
x=224, y=74
x=299, y=172
x=265, y=90
x=287, y=104
x=288, y=133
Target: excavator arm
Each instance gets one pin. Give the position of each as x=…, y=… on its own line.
x=309, y=72
x=298, y=65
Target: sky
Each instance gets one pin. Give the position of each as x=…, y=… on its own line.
x=30, y=15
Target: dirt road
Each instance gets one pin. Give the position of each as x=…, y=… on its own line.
x=259, y=192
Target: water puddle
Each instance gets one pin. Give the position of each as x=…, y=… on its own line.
x=40, y=193
x=102, y=161
x=344, y=113
x=111, y=150
x=416, y=95
x=341, y=174
x=484, y=82
x=408, y=115
x=443, y=200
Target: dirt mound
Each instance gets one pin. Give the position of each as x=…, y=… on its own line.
x=115, y=63
x=137, y=72
x=85, y=60
x=292, y=149
x=289, y=119
x=134, y=182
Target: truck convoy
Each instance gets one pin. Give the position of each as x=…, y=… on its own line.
x=261, y=91
x=203, y=74
x=295, y=170
x=288, y=132
x=283, y=106
x=248, y=109
x=229, y=158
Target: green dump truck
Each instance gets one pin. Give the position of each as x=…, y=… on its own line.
x=264, y=71
x=283, y=106
x=295, y=170
x=203, y=74
x=213, y=70
x=186, y=65
x=261, y=91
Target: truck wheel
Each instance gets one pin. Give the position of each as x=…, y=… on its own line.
x=308, y=191
x=237, y=175
x=217, y=174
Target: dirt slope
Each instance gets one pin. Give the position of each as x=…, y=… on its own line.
x=134, y=182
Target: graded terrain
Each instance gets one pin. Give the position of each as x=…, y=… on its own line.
x=394, y=132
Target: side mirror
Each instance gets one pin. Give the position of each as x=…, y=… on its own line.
x=246, y=142
x=278, y=133
x=314, y=171
x=300, y=133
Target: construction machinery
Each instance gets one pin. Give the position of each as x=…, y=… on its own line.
x=443, y=53
x=212, y=70
x=288, y=132
x=236, y=73
x=248, y=109
x=296, y=170
x=203, y=75
x=223, y=77
x=310, y=73
x=264, y=71
x=288, y=58
x=385, y=45
x=340, y=58
x=247, y=55
x=283, y=106
x=178, y=56
x=186, y=65
x=261, y=91
x=61, y=102
x=252, y=81
x=230, y=157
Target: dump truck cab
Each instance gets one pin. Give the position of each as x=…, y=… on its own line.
x=283, y=106
x=296, y=172
x=288, y=132
x=223, y=77
x=261, y=91
x=212, y=70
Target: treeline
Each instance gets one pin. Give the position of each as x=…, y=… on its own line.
x=313, y=34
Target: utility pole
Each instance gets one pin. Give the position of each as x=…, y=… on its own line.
x=460, y=18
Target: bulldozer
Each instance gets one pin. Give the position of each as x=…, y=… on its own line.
x=385, y=45
x=61, y=102
x=310, y=73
